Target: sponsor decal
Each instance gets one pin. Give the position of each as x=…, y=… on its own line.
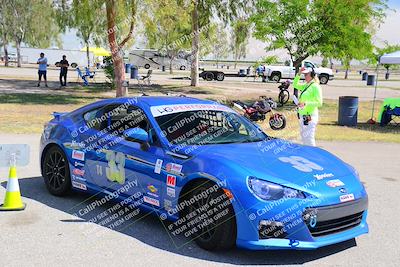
x=152, y=188
x=171, y=180
x=153, y=191
x=345, y=198
x=174, y=168
x=158, y=166
x=171, y=192
x=79, y=185
x=335, y=183
x=151, y=201
x=78, y=172
x=79, y=164
x=170, y=109
x=74, y=177
x=79, y=155
x=322, y=176
x=167, y=204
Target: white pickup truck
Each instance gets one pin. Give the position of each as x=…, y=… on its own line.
x=276, y=73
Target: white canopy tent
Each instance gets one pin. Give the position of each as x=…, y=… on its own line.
x=391, y=58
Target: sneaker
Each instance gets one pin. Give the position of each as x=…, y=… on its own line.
x=38, y=85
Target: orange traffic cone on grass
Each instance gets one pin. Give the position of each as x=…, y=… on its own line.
x=13, y=200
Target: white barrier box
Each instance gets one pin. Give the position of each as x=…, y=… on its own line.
x=14, y=155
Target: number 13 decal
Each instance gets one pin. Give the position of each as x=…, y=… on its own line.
x=301, y=163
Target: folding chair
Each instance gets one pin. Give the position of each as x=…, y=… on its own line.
x=390, y=115
x=90, y=74
x=145, y=78
x=82, y=76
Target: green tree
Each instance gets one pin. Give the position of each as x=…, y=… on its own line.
x=240, y=38
x=5, y=29
x=31, y=22
x=85, y=16
x=305, y=28
x=217, y=41
x=202, y=12
x=167, y=28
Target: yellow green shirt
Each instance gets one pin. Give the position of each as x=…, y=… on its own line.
x=310, y=95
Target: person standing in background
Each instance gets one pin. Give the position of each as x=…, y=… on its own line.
x=63, y=70
x=308, y=103
x=42, y=61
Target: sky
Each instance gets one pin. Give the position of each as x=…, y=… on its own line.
x=388, y=31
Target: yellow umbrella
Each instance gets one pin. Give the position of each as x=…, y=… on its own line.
x=97, y=51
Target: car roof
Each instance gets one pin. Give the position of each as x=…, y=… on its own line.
x=144, y=102
x=169, y=100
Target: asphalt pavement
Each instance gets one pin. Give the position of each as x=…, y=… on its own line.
x=48, y=233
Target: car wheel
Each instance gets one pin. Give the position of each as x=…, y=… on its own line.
x=218, y=233
x=147, y=66
x=323, y=79
x=277, y=122
x=182, y=68
x=74, y=65
x=209, y=76
x=56, y=172
x=275, y=76
x=220, y=76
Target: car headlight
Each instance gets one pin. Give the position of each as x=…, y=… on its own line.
x=270, y=191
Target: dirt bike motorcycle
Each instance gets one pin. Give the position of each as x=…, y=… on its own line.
x=284, y=95
x=258, y=111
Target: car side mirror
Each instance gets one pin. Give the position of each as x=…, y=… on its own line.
x=137, y=135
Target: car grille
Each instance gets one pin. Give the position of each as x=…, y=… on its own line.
x=332, y=219
x=335, y=225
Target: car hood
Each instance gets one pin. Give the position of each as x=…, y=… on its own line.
x=268, y=160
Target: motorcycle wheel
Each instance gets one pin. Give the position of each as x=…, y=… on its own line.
x=283, y=97
x=277, y=122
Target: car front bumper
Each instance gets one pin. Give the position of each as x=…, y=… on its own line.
x=334, y=224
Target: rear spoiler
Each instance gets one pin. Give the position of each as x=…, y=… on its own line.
x=58, y=115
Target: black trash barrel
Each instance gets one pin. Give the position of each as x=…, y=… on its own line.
x=248, y=71
x=163, y=68
x=371, y=80
x=364, y=76
x=348, y=110
x=127, y=68
x=134, y=72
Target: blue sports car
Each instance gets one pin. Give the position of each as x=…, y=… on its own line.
x=214, y=176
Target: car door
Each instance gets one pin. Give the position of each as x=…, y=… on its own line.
x=120, y=163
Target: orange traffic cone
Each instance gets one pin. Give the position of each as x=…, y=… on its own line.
x=13, y=200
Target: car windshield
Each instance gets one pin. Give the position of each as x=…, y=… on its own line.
x=202, y=127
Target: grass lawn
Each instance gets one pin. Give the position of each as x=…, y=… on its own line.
x=26, y=113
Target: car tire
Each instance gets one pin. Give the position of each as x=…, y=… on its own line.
x=74, y=65
x=182, y=68
x=209, y=76
x=275, y=76
x=147, y=66
x=277, y=122
x=220, y=76
x=55, y=171
x=219, y=235
x=323, y=79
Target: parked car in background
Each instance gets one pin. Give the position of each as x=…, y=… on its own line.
x=151, y=58
x=276, y=73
